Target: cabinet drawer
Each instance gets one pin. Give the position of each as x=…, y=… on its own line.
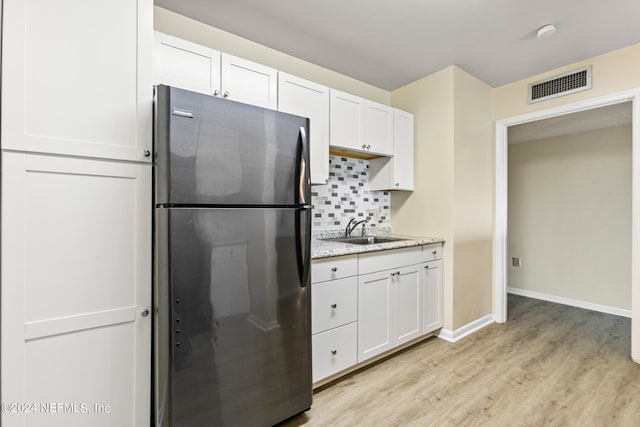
x=384, y=260
x=333, y=268
x=334, y=303
x=431, y=252
x=334, y=351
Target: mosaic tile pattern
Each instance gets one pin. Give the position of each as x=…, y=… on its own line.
x=347, y=196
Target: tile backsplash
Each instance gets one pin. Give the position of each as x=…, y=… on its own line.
x=347, y=196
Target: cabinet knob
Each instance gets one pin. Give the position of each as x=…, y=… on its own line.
x=364, y=146
x=147, y=153
x=426, y=267
x=434, y=252
x=368, y=147
x=334, y=269
x=334, y=305
x=334, y=352
x=326, y=181
x=216, y=92
x=226, y=94
x=144, y=313
x=397, y=184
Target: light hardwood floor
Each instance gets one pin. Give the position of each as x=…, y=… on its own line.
x=549, y=365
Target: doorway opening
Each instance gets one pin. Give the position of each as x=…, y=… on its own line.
x=590, y=111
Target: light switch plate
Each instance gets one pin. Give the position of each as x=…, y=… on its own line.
x=515, y=261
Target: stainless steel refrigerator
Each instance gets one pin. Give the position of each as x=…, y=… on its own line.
x=232, y=333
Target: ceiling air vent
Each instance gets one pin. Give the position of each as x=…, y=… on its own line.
x=564, y=84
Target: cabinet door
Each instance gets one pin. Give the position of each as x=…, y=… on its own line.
x=395, y=173
x=407, y=306
x=76, y=258
x=77, y=79
x=378, y=128
x=375, y=314
x=431, y=296
x=403, y=151
x=249, y=82
x=308, y=99
x=186, y=65
x=347, y=121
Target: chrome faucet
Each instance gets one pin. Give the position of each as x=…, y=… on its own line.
x=350, y=228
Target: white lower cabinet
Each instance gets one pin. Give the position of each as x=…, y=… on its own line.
x=335, y=303
x=375, y=305
x=407, y=307
x=431, y=296
x=76, y=290
x=368, y=304
x=389, y=309
x=334, y=350
x=334, y=315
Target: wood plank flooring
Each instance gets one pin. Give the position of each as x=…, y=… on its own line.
x=549, y=365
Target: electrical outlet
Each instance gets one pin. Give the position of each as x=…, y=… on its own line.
x=515, y=261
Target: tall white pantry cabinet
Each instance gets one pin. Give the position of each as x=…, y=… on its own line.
x=76, y=212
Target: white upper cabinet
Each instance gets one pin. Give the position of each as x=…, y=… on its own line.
x=186, y=65
x=403, y=150
x=249, y=82
x=308, y=99
x=347, y=121
x=198, y=68
x=378, y=128
x=77, y=78
x=358, y=124
x=396, y=173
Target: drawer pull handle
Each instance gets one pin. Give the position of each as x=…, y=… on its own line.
x=334, y=352
x=334, y=269
x=397, y=273
x=334, y=305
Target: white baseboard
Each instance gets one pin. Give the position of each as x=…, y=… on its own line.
x=466, y=330
x=572, y=302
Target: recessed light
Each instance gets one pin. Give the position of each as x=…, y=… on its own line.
x=546, y=31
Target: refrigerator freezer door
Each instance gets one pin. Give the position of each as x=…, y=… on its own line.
x=212, y=151
x=239, y=316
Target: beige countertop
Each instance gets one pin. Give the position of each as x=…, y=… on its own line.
x=321, y=248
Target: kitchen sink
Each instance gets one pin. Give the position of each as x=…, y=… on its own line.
x=371, y=240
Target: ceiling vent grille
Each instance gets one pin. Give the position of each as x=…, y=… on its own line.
x=564, y=84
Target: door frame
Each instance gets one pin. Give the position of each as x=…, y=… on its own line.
x=501, y=201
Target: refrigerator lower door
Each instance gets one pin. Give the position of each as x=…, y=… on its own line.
x=237, y=316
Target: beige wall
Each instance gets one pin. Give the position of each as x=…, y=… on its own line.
x=473, y=198
x=570, y=216
x=613, y=72
x=185, y=28
x=453, y=185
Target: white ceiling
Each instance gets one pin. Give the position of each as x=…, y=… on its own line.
x=569, y=124
x=389, y=43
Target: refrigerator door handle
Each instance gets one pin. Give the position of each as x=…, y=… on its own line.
x=302, y=237
x=303, y=170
